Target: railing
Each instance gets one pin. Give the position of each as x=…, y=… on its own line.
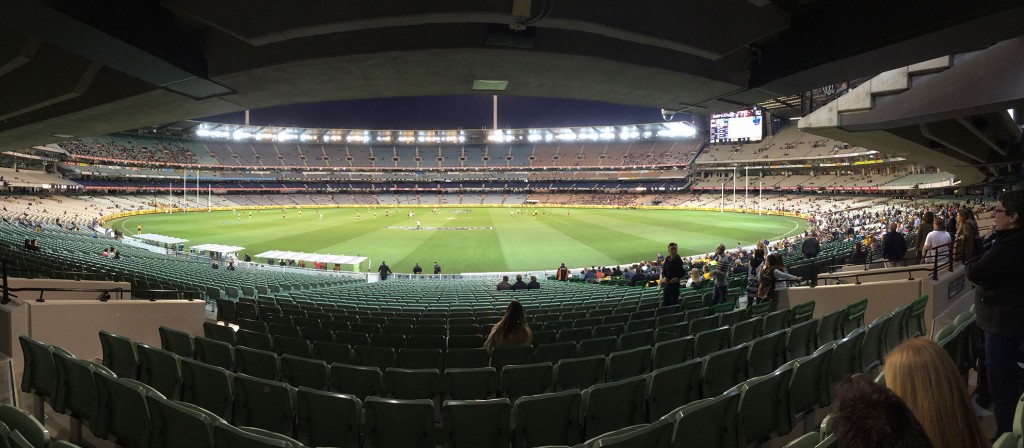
x=104, y=294
x=936, y=266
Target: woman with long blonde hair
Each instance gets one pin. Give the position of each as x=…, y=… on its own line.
x=921, y=373
x=511, y=330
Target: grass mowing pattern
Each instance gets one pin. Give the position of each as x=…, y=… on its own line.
x=578, y=237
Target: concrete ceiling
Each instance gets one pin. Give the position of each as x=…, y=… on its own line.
x=72, y=68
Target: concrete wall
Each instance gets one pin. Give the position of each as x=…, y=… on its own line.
x=64, y=284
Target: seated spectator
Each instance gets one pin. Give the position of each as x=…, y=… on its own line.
x=519, y=284
x=590, y=276
x=511, y=330
x=504, y=286
x=869, y=415
x=921, y=373
x=696, y=280
x=534, y=284
x=859, y=256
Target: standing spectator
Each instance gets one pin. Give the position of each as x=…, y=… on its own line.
x=562, y=274
x=937, y=241
x=721, y=274
x=753, y=273
x=894, y=246
x=672, y=274
x=921, y=373
x=773, y=276
x=511, y=330
x=966, y=234
x=437, y=269
x=999, y=306
x=417, y=270
x=810, y=247
x=384, y=271
x=926, y=227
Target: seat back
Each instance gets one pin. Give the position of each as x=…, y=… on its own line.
x=359, y=381
x=547, y=419
x=846, y=356
x=121, y=411
x=298, y=371
x=214, y=353
x=392, y=423
x=723, y=370
x=656, y=435
x=258, y=363
x=174, y=425
x=873, y=346
x=505, y=356
x=801, y=339
x=854, y=316
x=477, y=423
x=801, y=313
x=746, y=331
x=264, y=404
x=478, y=383
x=119, y=355
x=17, y=420
x=410, y=384
x=420, y=358
x=577, y=373
x=228, y=436
x=177, y=342
x=554, y=352
x=766, y=353
x=830, y=326
x=206, y=386
x=628, y=364
x=254, y=340
x=161, y=370
x=529, y=379
x=327, y=418
x=217, y=332
x=610, y=406
x=764, y=405
x=711, y=341
x=671, y=387
x=332, y=352
x=710, y=422
x=672, y=352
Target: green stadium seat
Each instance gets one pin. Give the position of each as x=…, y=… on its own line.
x=257, y=363
x=615, y=405
x=764, y=405
x=411, y=384
x=121, y=411
x=873, y=346
x=504, y=356
x=263, y=404
x=254, y=340
x=465, y=341
x=579, y=373
x=317, y=334
x=477, y=423
x=809, y=440
x=525, y=379
x=379, y=357
x=76, y=390
x=214, y=353
x=18, y=421
x=327, y=418
x=745, y=331
x=334, y=352
x=800, y=339
x=160, y=369
x=479, y=383
x=628, y=364
x=173, y=425
x=359, y=381
x=298, y=372
x=710, y=422
x=217, y=332
x=597, y=346
x=671, y=387
x=227, y=436
x=206, y=386
x=704, y=324
x=438, y=342
x=392, y=423
x=846, y=356
x=39, y=377
x=767, y=353
x=119, y=355
x=672, y=352
x=411, y=358
x=296, y=346
x=554, y=352
x=711, y=341
x=916, y=324
x=801, y=313
x=177, y=342
x=723, y=369
x=775, y=321
x=854, y=316
x=547, y=419
x=656, y=435
x=896, y=330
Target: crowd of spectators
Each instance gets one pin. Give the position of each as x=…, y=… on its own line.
x=117, y=151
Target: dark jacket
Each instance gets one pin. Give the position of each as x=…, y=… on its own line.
x=533, y=285
x=894, y=246
x=519, y=284
x=998, y=273
x=810, y=247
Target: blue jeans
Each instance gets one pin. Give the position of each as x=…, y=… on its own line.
x=720, y=293
x=1005, y=378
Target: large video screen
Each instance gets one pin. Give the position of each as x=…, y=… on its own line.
x=738, y=126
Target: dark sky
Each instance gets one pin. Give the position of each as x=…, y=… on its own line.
x=447, y=112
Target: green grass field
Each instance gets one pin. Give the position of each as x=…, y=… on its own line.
x=471, y=239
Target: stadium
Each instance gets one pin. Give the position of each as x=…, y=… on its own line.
x=314, y=226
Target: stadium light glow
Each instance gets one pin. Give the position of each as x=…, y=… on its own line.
x=607, y=135
x=284, y=136
x=532, y=138
x=496, y=136
x=567, y=136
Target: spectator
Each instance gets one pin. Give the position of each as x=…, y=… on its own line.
x=753, y=274
x=384, y=270
x=999, y=277
x=417, y=270
x=859, y=256
x=511, y=330
x=562, y=274
x=936, y=244
x=534, y=284
x=894, y=246
x=722, y=264
x=672, y=274
x=696, y=280
x=811, y=247
x=503, y=285
x=926, y=227
x=870, y=416
x=519, y=284
x=966, y=235
x=773, y=277
x=437, y=269
x=921, y=373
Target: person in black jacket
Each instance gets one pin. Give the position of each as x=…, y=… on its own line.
x=519, y=284
x=672, y=274
x=811, y=246
x=999, y=303
x=534, y=284
x=894, y=246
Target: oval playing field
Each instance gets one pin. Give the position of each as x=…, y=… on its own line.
x=471, y=239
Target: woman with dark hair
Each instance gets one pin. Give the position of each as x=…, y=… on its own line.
x=753, y=273
x=511, y=330
x=772, y=277
x=869, y=415
x=926, y=227
x=999, y=280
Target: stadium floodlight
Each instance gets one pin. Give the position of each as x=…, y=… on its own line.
x=567, y=136
x=533, y=138
x=496, y=136
x=202, y=133
x=285, y=135
x=607, y=135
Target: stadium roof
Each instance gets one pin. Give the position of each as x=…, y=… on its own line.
x=70, y=68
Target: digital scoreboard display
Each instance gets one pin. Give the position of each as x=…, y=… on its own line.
x=738, y=126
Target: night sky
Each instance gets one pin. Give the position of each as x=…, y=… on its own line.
x=447, y=112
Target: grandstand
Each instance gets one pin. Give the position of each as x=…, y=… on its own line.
x=145, y=344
